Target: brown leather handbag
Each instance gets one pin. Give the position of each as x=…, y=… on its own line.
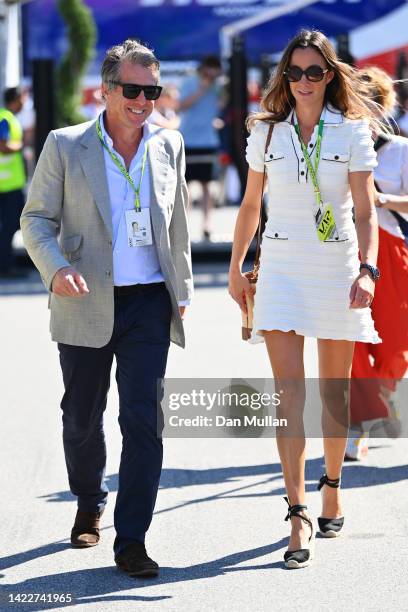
x=252, y=275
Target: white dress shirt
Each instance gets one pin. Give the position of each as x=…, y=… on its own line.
x=131, y=265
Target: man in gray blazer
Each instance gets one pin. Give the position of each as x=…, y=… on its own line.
x=105, y=224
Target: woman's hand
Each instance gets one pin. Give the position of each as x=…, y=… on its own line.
x=362, y=291
x=239, y=287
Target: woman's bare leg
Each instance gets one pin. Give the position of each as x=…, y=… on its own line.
x=285, y=351
x=335, y=360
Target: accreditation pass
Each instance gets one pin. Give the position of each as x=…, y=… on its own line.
x=325, y=222
x=138, y=227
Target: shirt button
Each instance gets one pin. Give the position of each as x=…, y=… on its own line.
x=302, y=173
x=336, y=157
x=110, y=242
x=271, y=156
x=311, y=145
x=302, y=160
x=108, y=273
x=276, y=235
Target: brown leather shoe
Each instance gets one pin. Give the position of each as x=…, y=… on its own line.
x=135, y=561
x=85, y=532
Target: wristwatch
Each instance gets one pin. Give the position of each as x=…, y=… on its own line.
x=382, y=199
x=375, y=273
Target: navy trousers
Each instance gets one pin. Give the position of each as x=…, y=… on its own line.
x=140, y=343
x=11, y=206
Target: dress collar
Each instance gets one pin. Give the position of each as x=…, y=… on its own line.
x=330, y=116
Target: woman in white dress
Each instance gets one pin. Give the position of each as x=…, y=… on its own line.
x=311, y=282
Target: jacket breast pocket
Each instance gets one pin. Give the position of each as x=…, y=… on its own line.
x=71, y=247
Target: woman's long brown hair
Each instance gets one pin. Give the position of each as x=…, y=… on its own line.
x=345, y=92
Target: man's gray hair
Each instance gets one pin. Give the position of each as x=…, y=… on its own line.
x=130, y=51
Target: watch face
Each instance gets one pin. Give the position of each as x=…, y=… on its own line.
x=382, y=199
x=375, y=273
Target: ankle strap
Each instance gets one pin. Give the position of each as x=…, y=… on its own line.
x=294, y=511
x=334, y=484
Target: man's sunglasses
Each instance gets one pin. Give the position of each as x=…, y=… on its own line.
x=132, y=91
x=313, y=73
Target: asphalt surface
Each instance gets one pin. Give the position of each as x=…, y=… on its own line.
x=218, y=532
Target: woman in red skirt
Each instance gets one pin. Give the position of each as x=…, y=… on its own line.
x=381, y=366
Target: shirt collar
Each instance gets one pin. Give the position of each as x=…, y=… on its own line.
x=330, y=116
x=147, y=132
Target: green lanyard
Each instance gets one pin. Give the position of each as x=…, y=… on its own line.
x=122, y=168
x=313, y=171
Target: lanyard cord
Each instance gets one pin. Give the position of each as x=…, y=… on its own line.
x=122, y=168
x=313, y=170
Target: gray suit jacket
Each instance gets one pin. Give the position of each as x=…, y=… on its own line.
x=67, y=220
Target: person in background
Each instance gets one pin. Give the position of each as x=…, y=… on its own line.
x=164, y=113
x=380, y=366
x=200, y=103
x=12, y=178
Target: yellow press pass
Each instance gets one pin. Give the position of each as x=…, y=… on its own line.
x=326, y=225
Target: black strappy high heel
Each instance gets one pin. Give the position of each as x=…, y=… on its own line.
x=329, y=527
x=295, y=559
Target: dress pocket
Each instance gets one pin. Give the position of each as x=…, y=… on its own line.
x=276, y=166
x=342, y=237
x=274, y=156
x=336, y=158
x=277, y=235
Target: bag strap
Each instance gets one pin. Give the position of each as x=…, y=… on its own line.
x=258, y=234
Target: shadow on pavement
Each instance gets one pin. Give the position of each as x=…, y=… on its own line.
x=89, y=585
x=354, y=476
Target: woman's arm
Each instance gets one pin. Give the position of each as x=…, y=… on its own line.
x=245, y=228
x=362, y=191
x=399, y=203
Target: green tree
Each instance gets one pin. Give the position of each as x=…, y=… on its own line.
x=81, y=32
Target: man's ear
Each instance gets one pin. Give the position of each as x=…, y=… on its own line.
x=104, y=91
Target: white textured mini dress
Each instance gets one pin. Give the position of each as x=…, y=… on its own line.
x=303, y=283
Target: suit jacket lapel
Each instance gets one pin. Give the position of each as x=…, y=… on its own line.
x=158, y=163
x=93, y=164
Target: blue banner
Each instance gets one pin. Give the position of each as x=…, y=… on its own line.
x=189, y=29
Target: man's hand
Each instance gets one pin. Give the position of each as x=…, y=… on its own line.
x=67, y=282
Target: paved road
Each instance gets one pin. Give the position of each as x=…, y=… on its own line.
x=218, y=530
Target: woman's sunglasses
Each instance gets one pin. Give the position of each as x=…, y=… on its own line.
x=313, y=73
x=132, y=91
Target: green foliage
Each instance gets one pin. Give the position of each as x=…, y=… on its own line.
x=81, y=32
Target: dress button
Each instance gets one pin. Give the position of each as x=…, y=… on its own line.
x=271, y=156
x=108, y=272
x=110, y=243
x=311, y=145
x=302, y=173
x=276, y=235
x=336, y=157
x=302, y=160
